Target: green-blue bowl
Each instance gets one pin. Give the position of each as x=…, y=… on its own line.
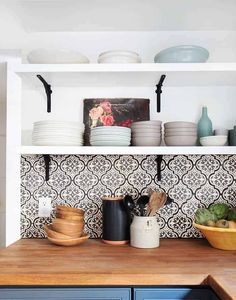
x=182, y=54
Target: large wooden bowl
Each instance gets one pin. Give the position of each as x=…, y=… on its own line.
x=71, y=242
x=54, y=234
x=220, y=238
x=69, y=216
x=68, y=227
x=68, y=209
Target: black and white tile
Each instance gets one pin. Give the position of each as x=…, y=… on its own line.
x=80, y=181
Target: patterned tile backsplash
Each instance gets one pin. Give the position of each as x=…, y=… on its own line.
x=192, y=181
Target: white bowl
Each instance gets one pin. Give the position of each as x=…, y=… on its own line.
x=146, y=134
x=146, y=141
x=181, y=129
x=49, y=56
x=181, y=134
x=180, y=124
x=214, y=140
x=119, y=52
x=117, y=56
x=147, y=123
x=181, y=140
x=118, y=60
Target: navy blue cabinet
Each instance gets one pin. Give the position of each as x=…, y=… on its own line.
x=65, y=293
x=174, y=294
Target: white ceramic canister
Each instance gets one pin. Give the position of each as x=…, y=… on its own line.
x=144, y=232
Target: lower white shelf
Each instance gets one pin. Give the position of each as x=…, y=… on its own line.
x=132, y=150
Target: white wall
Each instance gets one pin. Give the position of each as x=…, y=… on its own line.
x=5, y=56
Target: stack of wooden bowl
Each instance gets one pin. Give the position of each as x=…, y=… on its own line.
x=67, y=229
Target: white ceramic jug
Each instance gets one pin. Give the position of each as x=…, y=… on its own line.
x=144, y=232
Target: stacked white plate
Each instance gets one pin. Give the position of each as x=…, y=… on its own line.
x=110, y=136
x=119, y=57
x=57, y=133
x=180, y=133
x=146, y=133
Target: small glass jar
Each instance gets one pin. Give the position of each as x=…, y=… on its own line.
x=144, y=232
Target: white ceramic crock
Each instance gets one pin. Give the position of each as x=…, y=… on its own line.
x=144, y=232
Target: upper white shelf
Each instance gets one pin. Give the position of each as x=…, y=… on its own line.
x=82, y=75
x=87, y=150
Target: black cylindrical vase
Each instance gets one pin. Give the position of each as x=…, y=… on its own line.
x=115, y=221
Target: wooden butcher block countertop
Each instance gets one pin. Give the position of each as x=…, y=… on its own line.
x=175, y=262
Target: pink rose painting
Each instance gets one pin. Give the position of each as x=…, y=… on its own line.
x=107, y=120
x=101, y=114
x=113, y=112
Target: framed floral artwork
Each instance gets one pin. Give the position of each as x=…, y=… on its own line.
x=114, y=112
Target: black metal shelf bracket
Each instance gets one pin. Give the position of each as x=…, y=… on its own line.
x=159, y=161
x=48, y=91
x=47, y=160
x=159, y=91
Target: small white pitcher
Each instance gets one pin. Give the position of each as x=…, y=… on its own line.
x=144, y=232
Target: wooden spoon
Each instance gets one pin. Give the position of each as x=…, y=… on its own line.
x=156, y=202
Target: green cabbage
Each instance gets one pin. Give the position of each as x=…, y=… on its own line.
x=232, y=214
x=220, y=210
x=203, y=216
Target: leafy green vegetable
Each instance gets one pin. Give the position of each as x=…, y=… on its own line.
x=203, y=216
x=220, y=210
x=232, y=214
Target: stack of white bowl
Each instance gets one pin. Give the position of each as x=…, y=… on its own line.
x=180, y=133
x=110, y=136
x=57, y=133
x=119, y=57
x=146, y=133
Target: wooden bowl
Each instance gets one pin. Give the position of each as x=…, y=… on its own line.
x=220, y=238
x=69, y=216
x=68, y=227
x=54, y=234
x=71, y=242
x=68, y=209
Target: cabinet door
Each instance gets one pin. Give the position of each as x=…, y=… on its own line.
x=174, y=294
x=65, y=293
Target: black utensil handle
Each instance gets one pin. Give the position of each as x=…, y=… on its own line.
x=47, y=163
x=159, y=160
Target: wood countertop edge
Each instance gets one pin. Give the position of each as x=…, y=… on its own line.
x=116, y=280
x=219, y=288
x=102, y=279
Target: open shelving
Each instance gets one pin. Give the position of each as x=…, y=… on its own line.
x=132, y=150
x=145, y=74
x=144, y=30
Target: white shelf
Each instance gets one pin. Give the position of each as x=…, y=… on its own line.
x=87, y=150
x=146, y=74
